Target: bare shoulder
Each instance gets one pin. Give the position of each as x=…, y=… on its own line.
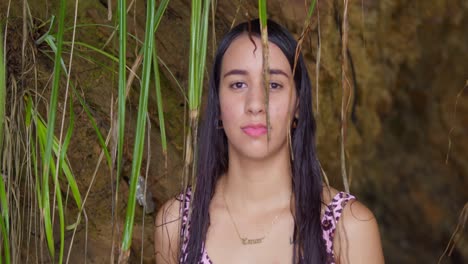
x=169, y=212
x=167, y=230
x=357, y=238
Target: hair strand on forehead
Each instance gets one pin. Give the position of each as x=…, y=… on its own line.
x=249, y=32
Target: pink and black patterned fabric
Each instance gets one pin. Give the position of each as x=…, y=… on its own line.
x=329, y=221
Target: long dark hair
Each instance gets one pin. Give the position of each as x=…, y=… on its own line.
x=213, y=155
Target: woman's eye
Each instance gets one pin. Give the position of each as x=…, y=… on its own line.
x=237, y=85
x=274, y=85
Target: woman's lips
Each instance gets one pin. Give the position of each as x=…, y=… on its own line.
x=255, y=130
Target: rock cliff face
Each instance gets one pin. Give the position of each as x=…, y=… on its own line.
x=408, y=127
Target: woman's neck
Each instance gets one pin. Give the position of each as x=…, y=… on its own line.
x=258, y=184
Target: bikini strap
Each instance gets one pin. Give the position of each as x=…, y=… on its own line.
x=330, y=219
x=184, y=198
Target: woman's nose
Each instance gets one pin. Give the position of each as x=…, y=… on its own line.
x=255, y=100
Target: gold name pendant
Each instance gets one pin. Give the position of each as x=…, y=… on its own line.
x=246, y=241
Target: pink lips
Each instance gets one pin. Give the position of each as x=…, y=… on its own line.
x=255, y=130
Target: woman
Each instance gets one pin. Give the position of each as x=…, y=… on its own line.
x=259, y=197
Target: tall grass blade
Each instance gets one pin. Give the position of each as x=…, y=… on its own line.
x=122, y=17
x=159, y=13
x=4, y=218
x=122, y=66
x=60, y=153
x=29, y=119
x=198, y=45
x=93, y=48
x=3, y=198
x=193, y=74
x=50, y=130
x=202, y=46
x=81, y=99
x=64, y=167
x=311, y=10
x=2, y=85
x=159, y=102
x=140, y=131
x=91, y=118
x=58, y=195
x=262, y=13
x=5, y=238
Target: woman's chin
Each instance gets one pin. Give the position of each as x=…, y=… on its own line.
x=260, y=152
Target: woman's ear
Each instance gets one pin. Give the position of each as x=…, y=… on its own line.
x=296, y=117
x=296, y=110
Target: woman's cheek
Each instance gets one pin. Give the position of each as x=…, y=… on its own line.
x=226, y=112
x=282, y=117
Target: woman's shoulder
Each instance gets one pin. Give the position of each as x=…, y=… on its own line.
x=173, y=212
x=353, y=212
x=167, y=231
x=357, y=230
x=169, y=212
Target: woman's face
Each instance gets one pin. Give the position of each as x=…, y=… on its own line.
x=242, y=99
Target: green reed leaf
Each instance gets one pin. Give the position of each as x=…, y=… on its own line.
x=140, y=129
x=159, y=102
x=122, y=17
x=91, y=118
x=311, y=9
x=2, y=84
x=262, y=12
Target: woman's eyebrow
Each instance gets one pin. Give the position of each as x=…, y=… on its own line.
x=244, y=72
x=235, y=72
x=278, y=71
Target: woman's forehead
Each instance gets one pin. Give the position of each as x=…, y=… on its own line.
x=246, y=52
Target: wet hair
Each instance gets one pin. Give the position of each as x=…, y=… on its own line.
x=212, y=154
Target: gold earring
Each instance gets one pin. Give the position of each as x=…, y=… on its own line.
x=219, y=124
x=294, y=123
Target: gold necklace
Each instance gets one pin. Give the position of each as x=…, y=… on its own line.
x=245, y=240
